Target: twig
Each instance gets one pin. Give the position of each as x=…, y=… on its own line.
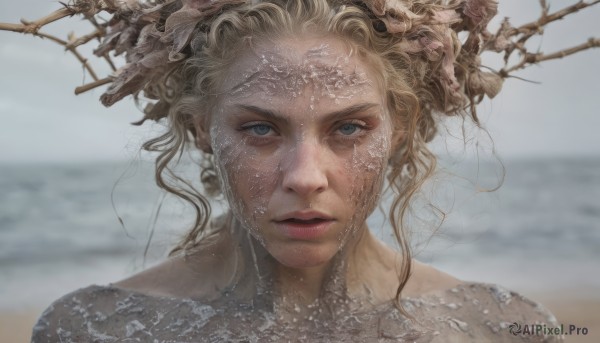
x=75, y=42
x=110, y=62
x=95, y=23
x=50, y=37
x=71, y=46
x=32, y=27
x=518, y=37
x=92, y=85
x=545, y=8
x=548, y=18
x=530, y=58
x=522, y=79
x=84, y=62
x=507, y=39
x=591, y=43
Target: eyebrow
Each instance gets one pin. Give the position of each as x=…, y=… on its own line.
x=332, y=116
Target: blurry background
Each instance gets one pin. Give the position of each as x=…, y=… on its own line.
x=69, y=168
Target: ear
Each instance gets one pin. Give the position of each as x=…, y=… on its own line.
x=201, y=134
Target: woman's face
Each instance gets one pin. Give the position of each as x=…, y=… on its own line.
x=301, y=140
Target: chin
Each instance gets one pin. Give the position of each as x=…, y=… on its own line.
x=303, y=254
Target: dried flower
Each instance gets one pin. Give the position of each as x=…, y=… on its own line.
x=486, y=83
x=156, y=37
x=480, y=12
x=394, y=13
x=178, y=31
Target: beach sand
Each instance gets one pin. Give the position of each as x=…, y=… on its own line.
x=568, y=307
x=15, y=327
x=575, y=311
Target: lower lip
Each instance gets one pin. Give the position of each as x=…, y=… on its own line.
x=304, y=231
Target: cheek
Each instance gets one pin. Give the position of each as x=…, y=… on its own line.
x=248, y=180
x=366, y=173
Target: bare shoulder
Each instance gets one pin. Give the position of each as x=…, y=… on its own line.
x=154, y=302
x=502, y=305
x=461, y=311
x=167, y=278
x=65, y=319
x=197, y=274
x=426, y=279
x=472, y=312
x=111, y=314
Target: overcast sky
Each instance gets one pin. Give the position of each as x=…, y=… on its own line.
x=41, y=119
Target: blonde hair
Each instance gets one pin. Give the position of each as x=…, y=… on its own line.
x=189, y=91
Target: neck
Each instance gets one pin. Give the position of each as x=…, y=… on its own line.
x=310, y=284
x=361, y=273
x=304, y=284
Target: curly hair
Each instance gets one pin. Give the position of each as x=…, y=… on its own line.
x=415, y=81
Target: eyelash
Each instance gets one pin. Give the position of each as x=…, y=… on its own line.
x=361, y=130
x=256, y=139
x=360, y=125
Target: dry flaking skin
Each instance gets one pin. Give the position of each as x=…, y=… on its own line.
x=302, y=150
x=276, y=75
x=465, y=313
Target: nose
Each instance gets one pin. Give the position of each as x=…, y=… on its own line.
x=304, y=169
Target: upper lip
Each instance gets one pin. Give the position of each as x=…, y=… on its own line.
x=303, y=215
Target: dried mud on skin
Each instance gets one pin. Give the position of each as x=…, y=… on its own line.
x=471, y=312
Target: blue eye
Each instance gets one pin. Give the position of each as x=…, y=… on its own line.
x=348, y=129
x=260, y=129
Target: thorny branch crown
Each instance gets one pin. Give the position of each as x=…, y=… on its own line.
x=155, y=37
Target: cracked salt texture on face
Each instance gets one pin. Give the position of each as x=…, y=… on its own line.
x=299, y=84
x=321, y=69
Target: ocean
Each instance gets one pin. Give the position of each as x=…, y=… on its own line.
x=66, y=226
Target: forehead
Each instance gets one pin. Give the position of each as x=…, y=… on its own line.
x=317, y=69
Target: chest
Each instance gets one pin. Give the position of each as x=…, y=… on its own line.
x=203, y=323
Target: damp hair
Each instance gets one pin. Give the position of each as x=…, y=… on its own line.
x=189, y=94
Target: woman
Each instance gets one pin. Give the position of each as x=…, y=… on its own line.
x=301, y=109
